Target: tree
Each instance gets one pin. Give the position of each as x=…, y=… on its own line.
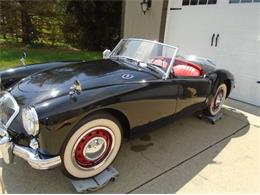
x=98, y=22
x=9, y=22
x=28, y=29
x=88, y=24
x=32, y=21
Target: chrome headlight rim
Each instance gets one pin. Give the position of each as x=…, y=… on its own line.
x=30, y=120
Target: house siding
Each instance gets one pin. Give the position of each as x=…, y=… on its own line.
x=147, y=26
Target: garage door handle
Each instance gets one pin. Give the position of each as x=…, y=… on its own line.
x=258, y=82
x=216, y=44
x=212, y=39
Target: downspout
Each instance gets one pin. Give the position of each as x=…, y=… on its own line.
x=163, y=20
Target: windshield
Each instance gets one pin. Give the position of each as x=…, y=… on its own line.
x=147, y=53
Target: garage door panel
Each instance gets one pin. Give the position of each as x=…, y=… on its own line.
x=238, y=49
x=190, y=43
x=244, y=41
x=240, y=17
x=246, y=90
x=247, y=65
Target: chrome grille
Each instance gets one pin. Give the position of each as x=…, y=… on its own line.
x=8, y=109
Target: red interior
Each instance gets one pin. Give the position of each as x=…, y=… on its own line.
x=181, y=66
x=185, y=70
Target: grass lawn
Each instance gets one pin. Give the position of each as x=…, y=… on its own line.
x=10, y=56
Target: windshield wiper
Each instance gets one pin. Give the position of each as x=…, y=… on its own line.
x=140, y=64
x=125, y=58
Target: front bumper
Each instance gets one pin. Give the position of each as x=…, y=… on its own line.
x=10, y=149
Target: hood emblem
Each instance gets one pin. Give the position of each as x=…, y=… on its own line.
x=127, y=76
x=76, y=88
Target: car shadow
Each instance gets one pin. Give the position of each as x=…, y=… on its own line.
x=142, y=160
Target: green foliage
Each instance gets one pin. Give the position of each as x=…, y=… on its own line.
x=98, y=22
x=31, y=21
x=88, y=24
x=10, y=57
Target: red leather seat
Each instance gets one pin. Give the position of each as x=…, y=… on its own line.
x=180, y=68
x=185, y=70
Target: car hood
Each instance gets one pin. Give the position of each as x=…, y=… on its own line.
x=56, y=82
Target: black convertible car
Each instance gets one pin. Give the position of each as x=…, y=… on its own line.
x=75, y=114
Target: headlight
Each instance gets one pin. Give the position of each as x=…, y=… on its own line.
x=30, y=121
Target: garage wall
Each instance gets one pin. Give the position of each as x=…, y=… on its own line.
x=150, y=25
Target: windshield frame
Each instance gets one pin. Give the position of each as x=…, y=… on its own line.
x=166, y=74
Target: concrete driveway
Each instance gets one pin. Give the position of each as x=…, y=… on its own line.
x=187, y=156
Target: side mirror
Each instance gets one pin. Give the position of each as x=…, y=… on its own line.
x=106, y=54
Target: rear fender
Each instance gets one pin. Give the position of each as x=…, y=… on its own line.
x=221, y=76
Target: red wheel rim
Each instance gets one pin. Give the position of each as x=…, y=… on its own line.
x=93, y=147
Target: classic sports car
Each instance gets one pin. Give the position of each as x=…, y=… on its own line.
x=75, y=114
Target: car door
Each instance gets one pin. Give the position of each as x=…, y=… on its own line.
x=149, y=102
x=192, y=93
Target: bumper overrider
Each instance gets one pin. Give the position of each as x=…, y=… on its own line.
x=9, y=149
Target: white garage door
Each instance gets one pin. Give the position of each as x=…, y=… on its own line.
x=226, y=31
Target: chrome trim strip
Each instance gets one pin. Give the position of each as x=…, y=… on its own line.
x=167, y=75
x=168, y=71
x=138, y=39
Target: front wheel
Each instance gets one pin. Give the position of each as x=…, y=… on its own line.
x=92, y=147
x=217, y=101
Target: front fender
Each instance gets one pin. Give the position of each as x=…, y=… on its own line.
x=11, y=76
x=56, y=124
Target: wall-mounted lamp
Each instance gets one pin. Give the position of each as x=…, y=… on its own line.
x=146, y=5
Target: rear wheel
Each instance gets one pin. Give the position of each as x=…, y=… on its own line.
x=218, y=100
x=92, y=147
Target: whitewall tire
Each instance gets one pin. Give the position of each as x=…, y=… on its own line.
x=92, y=147
x=218, y=100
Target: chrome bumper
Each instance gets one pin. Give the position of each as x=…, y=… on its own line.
x=9, y=149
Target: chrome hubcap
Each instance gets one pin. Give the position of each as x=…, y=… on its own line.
x=95, y=148
x=219, y=99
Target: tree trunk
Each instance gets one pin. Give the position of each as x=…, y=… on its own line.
x=16, y=30
x=26, y=24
